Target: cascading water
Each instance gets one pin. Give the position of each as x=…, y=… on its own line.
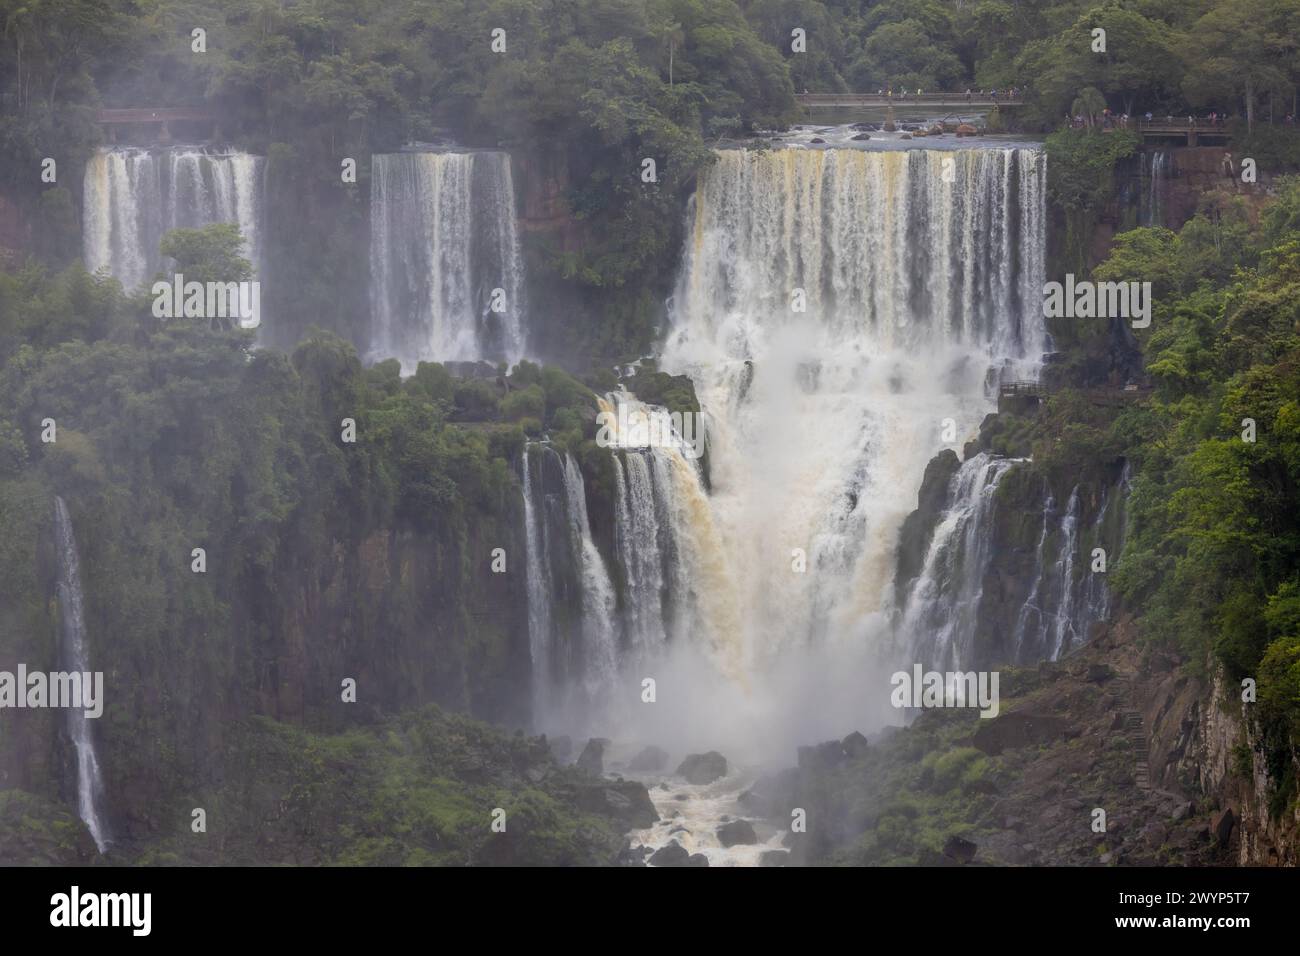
x=134, y=195
x=571, y=600
x=942, y=611
x=1153, y=210
x=446, y=271
x=73, y=658
x=835, y=308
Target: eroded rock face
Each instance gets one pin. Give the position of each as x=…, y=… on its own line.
x=703, y=768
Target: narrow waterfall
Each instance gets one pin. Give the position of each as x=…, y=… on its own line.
x=133, y=196
x=74, y=658
x=1064, y=635
x=942, y=612
x=1155, y=165
x=835, y=308
x=539, y=593
x=599, y=642
x=638, y=544
x=446, y=271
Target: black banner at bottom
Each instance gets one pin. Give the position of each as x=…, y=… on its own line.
x=341, y=905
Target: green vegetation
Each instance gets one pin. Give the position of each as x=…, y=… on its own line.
x=417, y=790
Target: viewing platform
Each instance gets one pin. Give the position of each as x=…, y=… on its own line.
x=158, y=120
x=1189, y=133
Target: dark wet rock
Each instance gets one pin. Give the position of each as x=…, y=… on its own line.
x=703, y=768
x=649, y=760
x=1222, y=824
x=674, y=854
x=774, y=858
x=959, y=850
x=737, y=833
x=634, y=856
x=918, y=527
x=855, y=745
x=626, y=800
x=861, y=136
x=824, y=756
x=592, y=758
x=1099, y=673
x=816, y=139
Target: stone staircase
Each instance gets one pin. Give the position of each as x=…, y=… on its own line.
x=1132, y=727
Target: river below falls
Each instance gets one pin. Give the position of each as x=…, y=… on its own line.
x=691, y=814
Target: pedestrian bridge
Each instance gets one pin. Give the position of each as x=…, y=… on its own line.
x=815, y=101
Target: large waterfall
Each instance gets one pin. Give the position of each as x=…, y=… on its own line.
x=134, y=195
x=73, y=658
x=446, y=272
x=840, y=312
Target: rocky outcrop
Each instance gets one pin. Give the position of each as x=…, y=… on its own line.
x=918, y=527
x=703, y=768
x=737, y=833
x=592, y=758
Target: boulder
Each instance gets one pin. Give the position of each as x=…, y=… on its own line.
x=816, y=139
x=855, y=745
x=625, y=800
x=774, y=858
x=697, y=859
x=674, y=854
x=633, y=856
x=861, y=136
x=959, y=850
x=649, y=760
x=703, y=768
x=965, y=129
x=906, y=136
x=592, y=758
x=737, y=833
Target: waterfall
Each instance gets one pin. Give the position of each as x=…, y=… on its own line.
x=599, y=648
x=942, y=612
x=74, y=658
x=835, y=309
x=639, y=549
x=1153, y=210
x=133, y=196
x=572, y=619
x=1030, y=621
x=539, y=598
x=446, y=271
x=1064, y=635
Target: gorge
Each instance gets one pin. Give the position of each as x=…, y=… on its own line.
x=618, y=421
